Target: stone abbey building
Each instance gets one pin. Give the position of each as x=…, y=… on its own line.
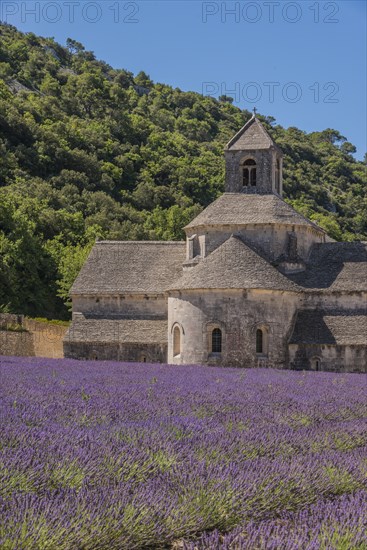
x=255, y=283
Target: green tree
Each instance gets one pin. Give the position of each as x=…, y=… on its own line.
x=74, y=46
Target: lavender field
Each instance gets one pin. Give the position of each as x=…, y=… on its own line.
x=126, y=456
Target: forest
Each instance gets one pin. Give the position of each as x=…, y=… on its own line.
x=88, y=151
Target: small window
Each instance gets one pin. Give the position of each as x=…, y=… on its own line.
x=316, y=363
x=259, y=341
x=249, y=173
x=176, y=341
x=217, y=341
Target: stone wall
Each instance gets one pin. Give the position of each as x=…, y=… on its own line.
x=37, y=338
x=138, y=306
x=47, y=338
x=128, y=306
x=238, y=314
x=264, y=171
x=142, y=353
x=272, y=239
x=328, y=357
x=16, y=343
x=335, y=301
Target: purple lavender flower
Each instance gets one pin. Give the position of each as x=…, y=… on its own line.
x=110, y=456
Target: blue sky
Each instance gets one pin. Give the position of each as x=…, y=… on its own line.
x=302, y=62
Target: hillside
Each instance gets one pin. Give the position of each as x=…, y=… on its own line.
x=89, y=151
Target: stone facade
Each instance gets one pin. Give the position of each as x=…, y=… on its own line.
x=134, y=352
x=238, y=314
x=273, y=239
x=20, y=336
x=127, y=306
x=252, y=143
x=16, y=343
x=116, y=338
x=47, y=338
x=340, y=358
x=255, y=285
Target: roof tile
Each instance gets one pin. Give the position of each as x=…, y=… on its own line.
x=242, y=209
x=335, y=267
x=234, y=265
x=251, y=136
x=116, y=267
x=117, y=331
x=332, y=327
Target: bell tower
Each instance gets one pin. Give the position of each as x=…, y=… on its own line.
x=254, y=163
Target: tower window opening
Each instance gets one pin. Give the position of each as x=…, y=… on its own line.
x=245, y=177
x=259, y=341
x=217, y=341
x=249, y=173
x=253, y=177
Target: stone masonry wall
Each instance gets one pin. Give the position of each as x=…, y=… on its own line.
x=38, y=339
x=47, y=338
x=238, y=314
x=331, y=357
x=272, y=239
x=16, y=343
x=127, y=307
x=356, y=301
x=148, y=353
x=264, y=171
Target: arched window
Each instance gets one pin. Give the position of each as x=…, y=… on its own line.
x=176, y=341
x=249, y=173
x=217, y=341
x=259, y=341
x=316, y=363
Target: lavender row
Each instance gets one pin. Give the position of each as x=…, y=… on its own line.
x=328, y=525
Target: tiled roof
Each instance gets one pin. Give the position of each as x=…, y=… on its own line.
x=335, y=328
x=130, y=266
x=244, y=209
x=117, y=331
x=251, y=136
x=233, y=265
x=336, y=267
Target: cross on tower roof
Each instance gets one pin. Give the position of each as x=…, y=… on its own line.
x=254, y=111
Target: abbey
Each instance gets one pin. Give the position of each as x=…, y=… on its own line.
x=255, y=284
